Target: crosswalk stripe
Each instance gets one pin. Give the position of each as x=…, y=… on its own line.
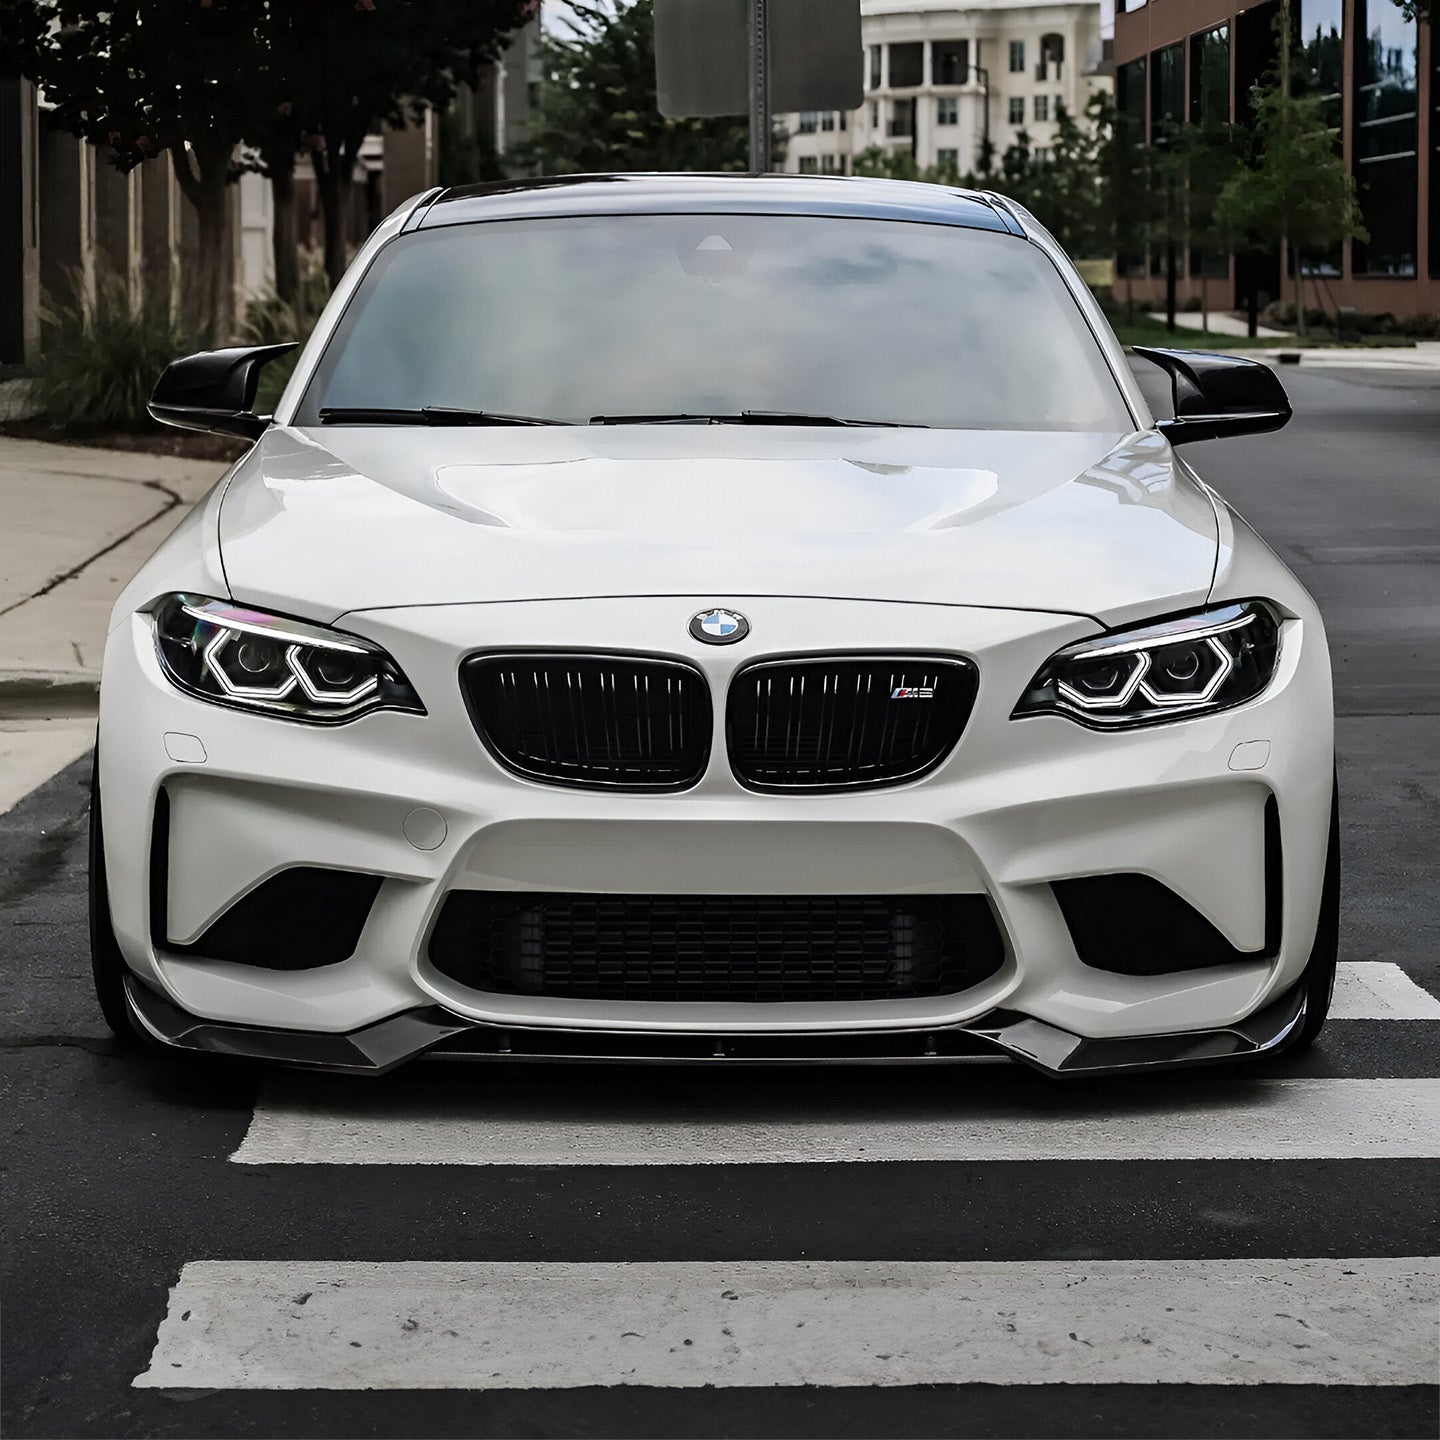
x=285, y=1325
x=1380, y=990
x=302, y=1121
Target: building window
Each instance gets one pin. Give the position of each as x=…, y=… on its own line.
x=1210, y=77
x=1042, y=107
x=808, y=165
x=827, y=120
x=1130, y=105
x=809, y=121
x=1052, y=58
x=947, y=162
x=949, y=62
x=947, y=110
x=1041, y=154
x=1386, y=138
x=844, y=122
x=829, y=164
x=907, y=66
x=1434, y=157
x=1017, y=109
x=902, y=118
x=1017, y=57
x=874, y=114
x=875, y=67
x=1322, y=23
x=1167, y=86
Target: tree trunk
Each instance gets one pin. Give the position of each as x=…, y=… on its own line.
x=1204, y=298
x=204, y=181
x=332, y=180
x=1170, y=285
x=1293, y=255
x=284, y=236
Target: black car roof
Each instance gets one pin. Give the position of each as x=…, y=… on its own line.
x=680, y=194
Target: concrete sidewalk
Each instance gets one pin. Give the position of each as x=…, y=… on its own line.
x=75, y=524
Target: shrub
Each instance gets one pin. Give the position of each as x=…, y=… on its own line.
x=1421, y=327
x=99, y=361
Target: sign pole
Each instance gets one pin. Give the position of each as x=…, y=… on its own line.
x=759, y=66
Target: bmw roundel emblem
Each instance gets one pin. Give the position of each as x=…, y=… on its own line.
x=719, y=627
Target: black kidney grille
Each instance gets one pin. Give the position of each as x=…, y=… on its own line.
x=592, y=720
x=843, y=724
x=716, y=947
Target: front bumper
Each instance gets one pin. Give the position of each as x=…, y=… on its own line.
x=419, y=803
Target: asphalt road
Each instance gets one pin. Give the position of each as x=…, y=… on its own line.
x=118, y=1172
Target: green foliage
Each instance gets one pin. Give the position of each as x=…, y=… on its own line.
x=100, y=361
x=1071, y=192
x=1296, y=187
x=597, y=109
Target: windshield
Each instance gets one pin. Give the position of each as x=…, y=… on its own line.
x=719, y=315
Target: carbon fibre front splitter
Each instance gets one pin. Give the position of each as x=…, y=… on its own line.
x=437, y=1033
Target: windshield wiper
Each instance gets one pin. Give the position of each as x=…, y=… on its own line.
x=745, y=417
x=426, y=415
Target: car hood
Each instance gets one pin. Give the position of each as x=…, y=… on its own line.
x=325, y=521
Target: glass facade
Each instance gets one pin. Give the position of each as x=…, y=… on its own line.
x=1386, y=138
x=1131, y=107
x=1321, y=25
x=1210, y=76
x=1210, y=110
x=1434, y=155
x=1167, y=85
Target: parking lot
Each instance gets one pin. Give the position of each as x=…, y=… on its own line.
x=198, y=1250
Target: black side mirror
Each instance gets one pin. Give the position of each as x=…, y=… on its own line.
x=215, y=390
x=1218, y=395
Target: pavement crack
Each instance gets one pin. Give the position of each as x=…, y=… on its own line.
x=172, y=499
x=88, y=1043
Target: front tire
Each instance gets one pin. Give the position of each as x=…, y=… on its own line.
x=107, y=964
x=1319, y=977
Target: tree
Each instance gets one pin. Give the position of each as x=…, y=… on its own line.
x=1213, y=157
x=165, y=77
x=1295, y=190
x=1070, y=192
x=597, y=109
x=1127, y=198
x=349, y=68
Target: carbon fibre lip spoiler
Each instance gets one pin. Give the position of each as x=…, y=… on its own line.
x=438, y=1034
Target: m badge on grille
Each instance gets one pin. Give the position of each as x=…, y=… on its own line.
x=913, y=692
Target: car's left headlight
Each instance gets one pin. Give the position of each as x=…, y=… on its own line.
x=1172, y=670
x=251, y=660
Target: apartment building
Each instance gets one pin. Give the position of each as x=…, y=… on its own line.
x=940, y=77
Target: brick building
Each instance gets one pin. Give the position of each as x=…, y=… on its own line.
x=1185, y=59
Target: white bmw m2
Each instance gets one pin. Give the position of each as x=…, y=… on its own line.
x=716, y=618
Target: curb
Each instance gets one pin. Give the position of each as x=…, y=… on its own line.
x=33, y=694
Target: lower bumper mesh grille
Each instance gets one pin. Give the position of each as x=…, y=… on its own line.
x=716, y=947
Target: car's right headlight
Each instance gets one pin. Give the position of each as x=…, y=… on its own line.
x=249, y=659
x=1174, y=669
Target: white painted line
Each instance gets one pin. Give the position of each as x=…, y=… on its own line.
x=1378, y=990
x=307, y=1122
x=289, y=1325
